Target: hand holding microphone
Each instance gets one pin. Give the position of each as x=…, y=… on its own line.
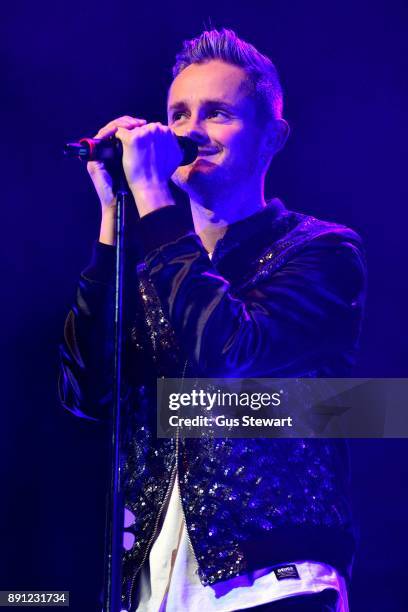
x=102, y=180
x=150, y=154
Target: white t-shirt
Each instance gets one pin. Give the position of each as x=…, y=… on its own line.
x=168, y=580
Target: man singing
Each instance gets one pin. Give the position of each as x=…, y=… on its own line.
x=247, y=289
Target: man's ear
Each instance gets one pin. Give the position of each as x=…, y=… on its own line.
x=277, y=132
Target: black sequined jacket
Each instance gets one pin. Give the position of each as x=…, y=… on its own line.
x=282, y=297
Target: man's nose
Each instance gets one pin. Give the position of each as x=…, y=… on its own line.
x=197, y=132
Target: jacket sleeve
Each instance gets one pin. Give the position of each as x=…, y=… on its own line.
x=289, y=322
x=86, y=353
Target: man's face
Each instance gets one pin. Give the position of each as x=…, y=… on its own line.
x=210, y=104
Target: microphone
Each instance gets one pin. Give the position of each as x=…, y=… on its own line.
x=95, y=149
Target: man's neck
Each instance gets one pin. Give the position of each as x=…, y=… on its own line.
x=211, y=220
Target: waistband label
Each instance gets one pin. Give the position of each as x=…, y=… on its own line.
x=286, y=571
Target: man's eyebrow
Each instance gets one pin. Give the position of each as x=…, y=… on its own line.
x=177, y=105
x=209, y=102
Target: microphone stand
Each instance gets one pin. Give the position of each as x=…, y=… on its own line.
x=115, y=506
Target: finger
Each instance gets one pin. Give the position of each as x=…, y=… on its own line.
x=110, y=129
x=122, y=134
x=94, y=165
x=96, y=168
x=129, y=118
x=125, y=122
x=106, y=132
x=126, y=134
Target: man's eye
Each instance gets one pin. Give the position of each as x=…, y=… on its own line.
x=178, y=115
x=216, y=114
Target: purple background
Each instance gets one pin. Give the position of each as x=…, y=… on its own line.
x=71, y=67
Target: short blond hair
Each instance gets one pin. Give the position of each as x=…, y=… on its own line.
x=263, y=79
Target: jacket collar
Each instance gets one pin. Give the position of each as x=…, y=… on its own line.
x=247, y=239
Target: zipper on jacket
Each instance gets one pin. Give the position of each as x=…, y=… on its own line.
x=178, y=483
x=181, y=501
x=164, y=503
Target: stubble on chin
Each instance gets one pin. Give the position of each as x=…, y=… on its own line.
x=201, y=183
